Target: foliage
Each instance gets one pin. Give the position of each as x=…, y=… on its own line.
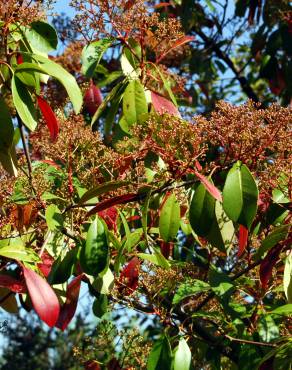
x=186, y=219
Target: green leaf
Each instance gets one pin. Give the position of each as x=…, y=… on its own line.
x=160, y=355
x=47, y=66
x=134, y=102
x=283, y=310
x=19, y=253
x=166, y=85
x=220, y=282
x=267, y=328
x=222, y=231
x=94, y=253
x=116, y=91
x=99, y=306
x=42, y=36
x=202, y=211
x=92, y=54
x=189, y=288
x=101, y=189
x=182, y=356
x=133, y=239
x=157, y=258
x=240, y=195
x=287, y=279
x=169, y=220
x=54, y=217
x=104, y=284
x=23, y=103
x=63, y=269
x=278, y=234
x=127, y=68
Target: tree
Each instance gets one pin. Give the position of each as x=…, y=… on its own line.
x=184, y=219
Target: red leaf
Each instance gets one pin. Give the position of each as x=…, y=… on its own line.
x=68, y=309
x=120, y=199
x=16, y=286
x=209, y=186
x=19, y=59
x=92, y=99
x=183, y=40
x=268, y=263
x=129, y=277
x=110, y=216
x=242, y=240
x=43, y=298
x=163, y=105
x=166, y=248
x=49, y=117
x=46, y=264
x=91, y=365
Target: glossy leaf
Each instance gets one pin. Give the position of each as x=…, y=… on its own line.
x=211, y=188
x=42, y=36
x=268, y=264
x=181, y=41
x=240, y=195
x=15, y=285
x=163, y=105
x=47, y=66
x=94, y=253
x=46, y=264
x=128, y=281
x=23, y=103
x=189, y=288
x=182, y=356
x=102, y=189
x=169, y=220
x=19, y=253
x=44, y=299
x=63, y=269
x=202, y=211
x=54, y=217
x=278, y=234
x=92, y=54
x=49, y=117
x=242, y=240
x=283, y=310
x=134, y=102
x=160, y=355
x=69, y=307
x=287, y=279
x=99, y=306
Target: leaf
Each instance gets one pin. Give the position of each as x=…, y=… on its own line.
x=160, y=355
x=16, y=286
x=162, y=105
x=94, y=253
x=92, y=99
x=120, y=199
x=169, y=220
x=287, y=279
x=278, y=234
x=183, y=40
x=19, y=253
x=211, y=188
x=69, y=307
x=44, y=299
x=157, y=259
x=23, y=103
x=128, y=281
x=8, y=301
x=104, y=284
x=190, y=288
x=268, y=263
x=242, y=240
x=202, y=211
x=101, y=189
x=46, y=264
x=49, y=117
x=165, y=84
x=63, y=269
x=99, y=306
x=134, y=102
x=110, y=217
x=283, y=310
x=221, y=283
x=92, y=54
x=240, y=195
x=182, y=356
x=54, y=217
x=267, y=328
x=47, y=66
x=128, y=69
x=42, y=36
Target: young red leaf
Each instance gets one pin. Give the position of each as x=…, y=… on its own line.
x=120, y=199
x=110, y=216
x=43, y=298
x=242, y=239
x=92, y=99
x=46, y=264
x=129, y=277
x=19, y=59
x=268, y=263
x=163, y=105
x=68, y=309
x=183, y=40
x=209, y=187
x=49, y=117
x=16, y=286
x=166, y=248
